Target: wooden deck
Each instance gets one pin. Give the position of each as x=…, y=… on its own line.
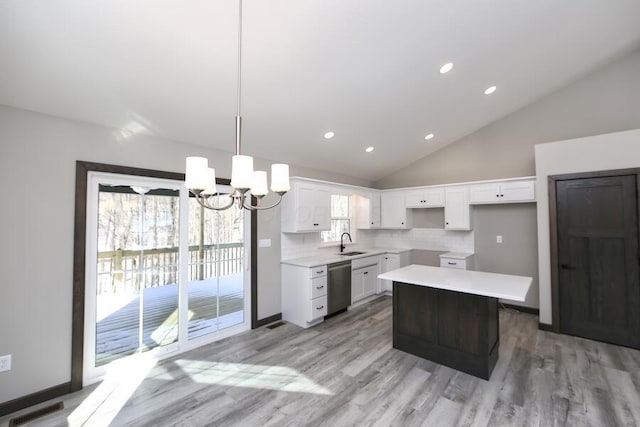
x=117, y=334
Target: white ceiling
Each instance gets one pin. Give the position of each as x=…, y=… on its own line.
x=367, y=70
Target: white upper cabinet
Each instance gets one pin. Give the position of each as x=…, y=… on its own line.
x=456, y=208
x=503, y=192
x=307, y=207
x=393, y=211
x=368, y=210
x=425, y=198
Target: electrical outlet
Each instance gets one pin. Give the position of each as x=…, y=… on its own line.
x=5, y=363
x=498, y=239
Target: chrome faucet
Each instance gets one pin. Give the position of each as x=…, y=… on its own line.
x=342, y=241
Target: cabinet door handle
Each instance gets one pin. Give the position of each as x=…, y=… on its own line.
x=320, y=308
x=366, y=272
x=452, y=263
x=319, y=287
x=319, y=271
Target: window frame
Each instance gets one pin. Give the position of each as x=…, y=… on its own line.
x=350, y=218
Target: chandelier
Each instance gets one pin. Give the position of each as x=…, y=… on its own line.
x=201, y=179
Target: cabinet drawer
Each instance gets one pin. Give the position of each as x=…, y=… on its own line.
x=317, y=308
x=318, y=287
x=364, y=262
x=318, y=271
x=453, y=263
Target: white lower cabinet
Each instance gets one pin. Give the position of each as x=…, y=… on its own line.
x=364, y=277
x=461, y=261
x=304, y=294
x=390, y=262
x=364, y=282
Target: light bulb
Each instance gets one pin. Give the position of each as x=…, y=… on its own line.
x=280, y=178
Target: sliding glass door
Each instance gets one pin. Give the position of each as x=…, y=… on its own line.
x=163, y=274
x=216, y=267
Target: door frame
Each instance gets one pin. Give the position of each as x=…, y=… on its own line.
x=79, y=255
x=553, y=229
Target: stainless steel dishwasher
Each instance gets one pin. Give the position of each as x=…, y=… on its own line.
x=338, y=287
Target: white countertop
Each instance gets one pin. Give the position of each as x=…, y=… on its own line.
x=330, y=258
x=470, y=282
x=456, y=255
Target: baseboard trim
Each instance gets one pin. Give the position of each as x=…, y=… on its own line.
x=545, y=327
x=267, y=320
x=34, y=398
x=521, y=308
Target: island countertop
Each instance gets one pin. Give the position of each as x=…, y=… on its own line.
x=471, y=282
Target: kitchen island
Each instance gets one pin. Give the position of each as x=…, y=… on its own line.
x=450, y=316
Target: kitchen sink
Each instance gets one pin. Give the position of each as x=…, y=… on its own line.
x=352, y=253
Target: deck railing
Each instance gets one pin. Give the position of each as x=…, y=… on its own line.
x=130, y=270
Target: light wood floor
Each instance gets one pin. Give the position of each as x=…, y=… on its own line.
x=345, y=373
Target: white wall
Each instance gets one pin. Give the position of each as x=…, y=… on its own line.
x=37, y=184
x=605, y=101
x=612, y=151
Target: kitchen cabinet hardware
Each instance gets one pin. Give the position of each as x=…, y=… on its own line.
x=320, y=287
x=320, y=308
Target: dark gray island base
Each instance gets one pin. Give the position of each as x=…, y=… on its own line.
x=455, y=329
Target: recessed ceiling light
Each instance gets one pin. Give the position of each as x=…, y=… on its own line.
x=490, y=90
x=369, y=149
x=446, y=68
x=329, y=135
x=430, y=136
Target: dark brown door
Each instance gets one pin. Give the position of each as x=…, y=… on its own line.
x=599, y=274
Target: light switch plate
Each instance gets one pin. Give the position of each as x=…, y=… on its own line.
x=498, y=239
x=5, y=363
x=264, y=243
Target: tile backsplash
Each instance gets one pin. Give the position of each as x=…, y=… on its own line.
x=436, y=239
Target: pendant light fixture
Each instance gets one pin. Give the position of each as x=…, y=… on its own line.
x=201, y=179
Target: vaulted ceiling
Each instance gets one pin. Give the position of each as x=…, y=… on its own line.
x=366, y=70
